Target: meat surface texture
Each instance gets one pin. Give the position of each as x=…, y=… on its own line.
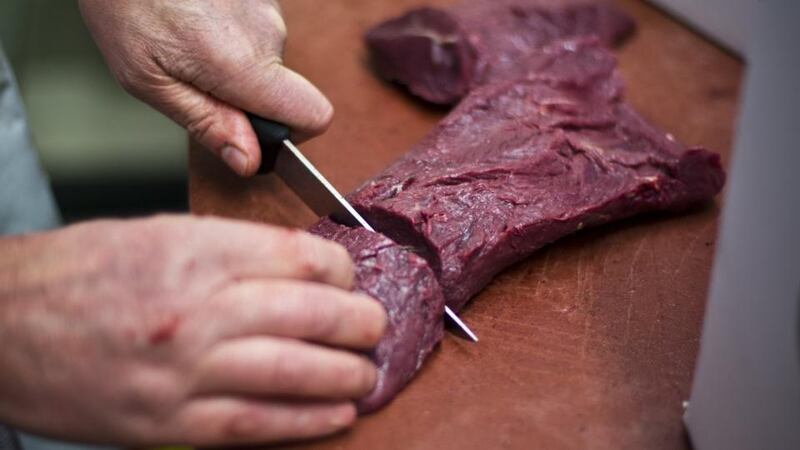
x=541, y=145
x=520, y=164
x=442, y=54
x=405, y=285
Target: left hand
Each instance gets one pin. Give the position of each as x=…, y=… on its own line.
x=177, y=329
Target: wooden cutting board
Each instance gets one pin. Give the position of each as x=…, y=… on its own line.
x=589, y=343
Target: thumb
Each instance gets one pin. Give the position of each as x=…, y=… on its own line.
x=272, y=91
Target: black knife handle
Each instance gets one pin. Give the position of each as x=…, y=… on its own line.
x=270, y=136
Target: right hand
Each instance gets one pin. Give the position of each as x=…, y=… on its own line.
x=203, y=62
x=181, y=330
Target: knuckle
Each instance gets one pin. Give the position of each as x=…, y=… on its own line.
x=303, y=423
x=311, y=268
x=261, y=58
x=244, y=424
x=315, y=258
x=271, y=70
x=148, y=392
x=283, y=368
x=322, y=320
x=136, y=74
x=199, y=121
x=344, y=371
x=188, y=66
x=212, y=428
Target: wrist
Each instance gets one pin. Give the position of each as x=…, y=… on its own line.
x=12, y=262
x=20, y=259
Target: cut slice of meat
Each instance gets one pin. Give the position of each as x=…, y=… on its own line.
x=440, y=55
x=520, y=164
x=407, y=288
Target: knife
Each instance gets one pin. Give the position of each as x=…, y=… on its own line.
x=281, y=156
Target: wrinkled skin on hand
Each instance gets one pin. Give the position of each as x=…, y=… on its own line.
x=181, y=330
x=202, y=63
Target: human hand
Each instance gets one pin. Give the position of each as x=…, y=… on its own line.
x=202, y=62
x=181, y=330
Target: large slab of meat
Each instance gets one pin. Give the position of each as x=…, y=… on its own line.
x=442, y=54
x=520, y=164
x=540, y=146
x=407, y=288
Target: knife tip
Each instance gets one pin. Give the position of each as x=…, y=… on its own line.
x=461, y=325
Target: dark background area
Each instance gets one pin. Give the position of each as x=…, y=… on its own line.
x=107, y=154
x=81, y=200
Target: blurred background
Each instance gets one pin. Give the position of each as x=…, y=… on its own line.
x=106, y=153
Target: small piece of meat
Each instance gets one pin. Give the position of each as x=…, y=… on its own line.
x=406, y=286
x=427, y=51
x=520, y=164
x=442, y=54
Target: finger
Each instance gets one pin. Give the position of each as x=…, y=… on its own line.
x=217, y=126
x=231, y=421
x=226, y=130
x=307, y=311
x=250, y=250
x=284, y=367
x=273, y=91
x=251, y=75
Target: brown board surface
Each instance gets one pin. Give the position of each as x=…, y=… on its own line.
x=589, y=343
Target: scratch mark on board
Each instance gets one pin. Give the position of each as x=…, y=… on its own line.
x=689, y=248
x=631, y=287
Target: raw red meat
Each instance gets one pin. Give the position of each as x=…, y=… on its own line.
x=442, y=54
x=407, y=288
x=541, y=146
x=520, y=164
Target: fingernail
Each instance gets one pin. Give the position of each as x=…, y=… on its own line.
x=236, y=159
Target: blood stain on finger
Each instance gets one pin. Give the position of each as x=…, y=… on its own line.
x=310, y=270
x=166, y=330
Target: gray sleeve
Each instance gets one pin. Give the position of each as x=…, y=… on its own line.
x=26, y=202
x=8, y=439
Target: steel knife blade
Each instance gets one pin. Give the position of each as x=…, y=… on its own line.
x=281, y=156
